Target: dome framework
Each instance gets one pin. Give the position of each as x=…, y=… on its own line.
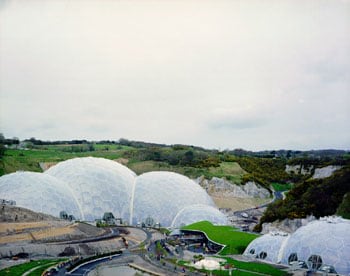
x=320, y=245
x=40, y=193
x=88, y=187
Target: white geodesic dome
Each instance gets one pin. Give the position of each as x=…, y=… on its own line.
x=328, y=238
x=321, y=243
x=198, y=212
x=88, y=187
x=100, y=185
x=39, y=192
x=161, y=195
x=267, y=247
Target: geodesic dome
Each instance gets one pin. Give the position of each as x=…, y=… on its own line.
x=161, y=195
x=321, y=242
x=199, y=212
x=100, y=185
x=89, y=187
x=267, y=247
x=39, y=192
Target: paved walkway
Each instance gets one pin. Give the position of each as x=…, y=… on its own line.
x=146, y=260
x=130, y=256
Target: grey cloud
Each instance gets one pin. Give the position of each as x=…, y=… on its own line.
x=172, y=73
x=237, y=123
x=241, y=118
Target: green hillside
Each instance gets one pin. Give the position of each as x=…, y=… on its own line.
x=318, y=197
x=185, y=160
x=235, y=241
x=188, y=160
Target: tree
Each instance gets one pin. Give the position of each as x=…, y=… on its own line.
x=2, y=145
x=2, y=150
x=344, y=207
x=188, y=157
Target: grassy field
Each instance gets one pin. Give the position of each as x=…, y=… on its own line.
x=29, y=160
x=147, y=166
x=230, y=170
x=40, y=266
x=281, y=187
x=235, y=241
x=244, y=268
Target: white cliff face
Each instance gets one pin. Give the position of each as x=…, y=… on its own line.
x=319, y=172
x=223, y=188
x=299, y=169
x=325, y=171
x=286, y=225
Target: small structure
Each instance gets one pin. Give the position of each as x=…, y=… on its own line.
x=8, y=202
x=194, y=241
x=108, y=217
x=149, y=222
x=65, y=216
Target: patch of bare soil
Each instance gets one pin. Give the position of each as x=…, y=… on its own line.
x=122, y=161
x=18, y=214
x=237, y=203
x=46, y=231
x=46, y=165
x=23, y=225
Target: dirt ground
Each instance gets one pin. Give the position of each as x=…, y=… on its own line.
x=43, y=230
x=28, y=231
x=237, y=204
x=20, y=226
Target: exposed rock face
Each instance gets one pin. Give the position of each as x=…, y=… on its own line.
x=286, y=225
x=325, y=171
x=221, y=187
x=46, y=165
x=299, y=169
x=318, y=172
x=15, y=214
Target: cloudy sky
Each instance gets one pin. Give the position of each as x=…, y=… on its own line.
x=218, y=74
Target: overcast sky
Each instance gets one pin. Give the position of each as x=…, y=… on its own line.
x=218, y=74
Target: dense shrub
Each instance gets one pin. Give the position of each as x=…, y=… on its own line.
x=344, y=207
x=318, y=197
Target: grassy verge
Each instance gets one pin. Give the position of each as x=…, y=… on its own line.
x=235, y=241
x=255, y=267
x=22, y=268
x=243, y=268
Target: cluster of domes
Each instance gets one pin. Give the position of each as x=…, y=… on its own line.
x=320, y=245
x=88, y=187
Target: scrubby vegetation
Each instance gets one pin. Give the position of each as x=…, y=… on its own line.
x=267, y=168
x=264, y=170
x=344, y=207
x=318, y=197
